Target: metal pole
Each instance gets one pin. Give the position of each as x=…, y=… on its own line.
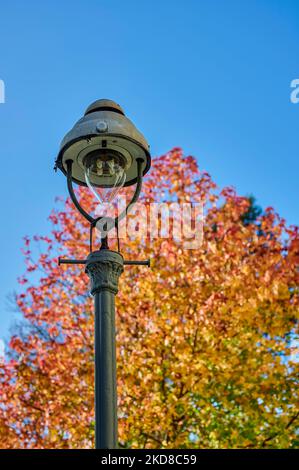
x=104, y=268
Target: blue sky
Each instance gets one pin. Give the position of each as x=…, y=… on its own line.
x=210, y=76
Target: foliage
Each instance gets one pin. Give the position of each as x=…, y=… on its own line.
x=206, y=339
x=252, y=213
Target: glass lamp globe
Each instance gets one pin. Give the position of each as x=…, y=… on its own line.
x=105, y=174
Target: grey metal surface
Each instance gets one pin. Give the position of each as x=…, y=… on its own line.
x=104, y=104
x=104, y=125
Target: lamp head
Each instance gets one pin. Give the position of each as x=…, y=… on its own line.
x=104, y=146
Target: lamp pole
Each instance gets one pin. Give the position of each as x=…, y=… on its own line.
x=104, y=268
x=104, y=150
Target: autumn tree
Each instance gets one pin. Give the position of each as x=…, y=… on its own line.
x=206, y=338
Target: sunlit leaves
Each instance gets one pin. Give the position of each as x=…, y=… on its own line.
x=206, y=338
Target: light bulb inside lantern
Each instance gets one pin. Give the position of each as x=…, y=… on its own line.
x=105, y=174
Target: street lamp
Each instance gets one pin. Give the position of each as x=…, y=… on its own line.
x=105, y=152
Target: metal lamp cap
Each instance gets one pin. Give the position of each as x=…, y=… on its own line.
x=104, y=105
x=104, y=127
